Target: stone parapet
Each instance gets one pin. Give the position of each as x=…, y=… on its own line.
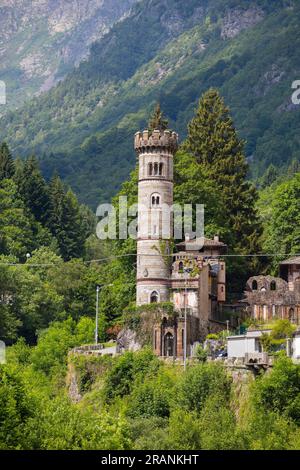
x=146, y=141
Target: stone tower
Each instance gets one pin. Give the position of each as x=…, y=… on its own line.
x=155, y=197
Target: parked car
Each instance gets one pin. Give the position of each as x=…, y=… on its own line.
x=222, y=353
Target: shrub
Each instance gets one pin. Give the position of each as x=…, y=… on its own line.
x=278, y=391
x=184, y=432
x=201, y=354
x=151, y=397
x=16, y=407
x=218, y=427
x=128, y=368
x=199, y=383
x=149, y=433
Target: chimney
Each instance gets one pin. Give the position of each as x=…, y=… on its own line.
x=216, y=238
x=187, y=237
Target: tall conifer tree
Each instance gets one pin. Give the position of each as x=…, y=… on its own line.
x=213, y=140
x=157, y=120
x=65, y=221
x=7, y=167
x=33, y=189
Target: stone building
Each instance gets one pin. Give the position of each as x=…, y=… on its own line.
x=193, y=278
x=268, y=297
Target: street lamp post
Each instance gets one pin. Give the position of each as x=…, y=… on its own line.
x=186, y=273
x=97, y=309
x=97, y=314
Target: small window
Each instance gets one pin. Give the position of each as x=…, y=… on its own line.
x=150, y=169
x=161, y=165
x=155, y=169
x=273, y=285
x=254, y=285
x=154, y=297
x=155, y=200
x=180, y=267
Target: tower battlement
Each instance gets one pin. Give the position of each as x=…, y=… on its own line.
x=157, y=140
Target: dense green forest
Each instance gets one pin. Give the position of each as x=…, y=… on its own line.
x=84, y=127
x=42, y=41
x=50, y=264
x=136, y=401
x=48, y=243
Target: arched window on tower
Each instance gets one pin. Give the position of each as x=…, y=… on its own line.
x=161, y=165
x=155, y=169
x=180, y=267
x=150, y=169
x=154, y=297
x=155, y=200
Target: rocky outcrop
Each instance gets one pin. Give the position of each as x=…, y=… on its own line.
x=127, y=341
x=270, y=78
x=72, y=384
x=44, y=39
x=237, y=20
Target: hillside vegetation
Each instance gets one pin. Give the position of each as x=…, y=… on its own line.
x=84, y=127
x=136, y=401
x=41, y=41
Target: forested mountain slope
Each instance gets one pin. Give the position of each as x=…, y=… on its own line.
x=41, y=41
x=171, y=51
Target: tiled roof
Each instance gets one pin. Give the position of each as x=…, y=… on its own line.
x=199, y=241
x=294, y=260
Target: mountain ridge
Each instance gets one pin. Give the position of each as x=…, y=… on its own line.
x=41, y=41
x=248, y=52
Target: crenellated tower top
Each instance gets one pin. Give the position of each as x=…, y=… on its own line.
x=154, y=141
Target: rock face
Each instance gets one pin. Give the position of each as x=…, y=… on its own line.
x=127, y=341
x=72, y=384
x=41, y=40
x=237, y=20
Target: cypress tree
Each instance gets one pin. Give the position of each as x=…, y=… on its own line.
x=213, y=140
x=7, y=166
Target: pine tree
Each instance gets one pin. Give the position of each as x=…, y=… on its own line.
x=56, y=202
x=16, y=234
x=270, y=176
x=157, y=120
x=7, y=167
x=294, y=167
x=213, y=140
x=72, y=244
x=33, y=189
x=65, y=221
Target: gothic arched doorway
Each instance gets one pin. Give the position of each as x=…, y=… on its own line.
x=292, y=315
x=168, y=344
